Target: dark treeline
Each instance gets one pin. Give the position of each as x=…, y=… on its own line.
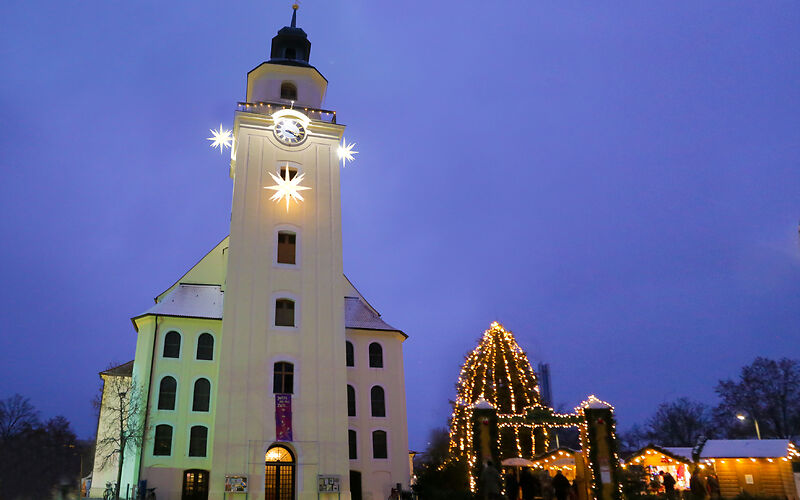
x=765, y=394
x=38, y=459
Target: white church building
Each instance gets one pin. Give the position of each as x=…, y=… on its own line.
x=263, y=368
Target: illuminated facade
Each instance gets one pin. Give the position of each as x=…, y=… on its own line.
x=263, y=365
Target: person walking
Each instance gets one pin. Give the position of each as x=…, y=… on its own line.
x=713, y=486
x=696, y=486
x=669, y=485
x=490, y=482
x=531, y=487
x=512, y=486
x=561, y=486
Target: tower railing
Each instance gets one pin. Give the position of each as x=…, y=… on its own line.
x=269, y=107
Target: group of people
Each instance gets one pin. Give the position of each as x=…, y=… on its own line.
x=526, y=486
x=699, y=488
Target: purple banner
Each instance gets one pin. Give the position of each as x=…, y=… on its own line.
x=283, y=417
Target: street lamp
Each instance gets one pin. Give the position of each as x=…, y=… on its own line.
x=742, y=417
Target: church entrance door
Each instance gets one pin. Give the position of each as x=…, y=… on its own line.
x=279, y=467
x=195, y=485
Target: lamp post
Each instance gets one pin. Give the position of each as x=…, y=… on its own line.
x=742, y=417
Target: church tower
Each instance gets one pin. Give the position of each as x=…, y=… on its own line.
x=282, y=376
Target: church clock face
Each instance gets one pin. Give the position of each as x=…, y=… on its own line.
x=290, y=126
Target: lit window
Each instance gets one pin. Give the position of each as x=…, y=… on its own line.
x=283, y=378
x=352, y=444
x=289, y=90
x=202, y=395
x=378, y=400
x=198, y=437
x=172, y=345
x=286, y=247
x=162, y=444
x=350, y=356
x=375, y=355
x=205, y=346
x=284, y=312
x=166, y=393
x=379, y=444
x=351, y=401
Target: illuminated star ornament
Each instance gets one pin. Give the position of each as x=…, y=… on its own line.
x=287, y=188
x=222, y=138
x=345, y=151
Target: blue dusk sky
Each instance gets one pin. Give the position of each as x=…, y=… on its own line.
x=617, y=183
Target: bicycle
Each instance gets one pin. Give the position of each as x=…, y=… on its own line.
x=108, y=494
x=151, y=494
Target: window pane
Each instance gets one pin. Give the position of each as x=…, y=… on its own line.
x=350, y=357
x=283, y=378
x=379, y=444
x=375, y=355
x=378, y=402
x=172, y=345
x=351, y=442
x=202, y=395
x=197, y=441
x=286, y=247
x=205, y=347
x=166, y=393
x=284, y=312
x=163, y=440
x=351, y=401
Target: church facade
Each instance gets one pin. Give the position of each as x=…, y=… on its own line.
x=263, y=368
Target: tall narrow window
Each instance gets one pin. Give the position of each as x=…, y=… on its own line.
x=351, y=401
x=350, y=355
x=286, y=247
x=283, y=378
x=352, y=444
x=205, y=346
x=284, y=312
x=202, y=395
x=162, y=444
x=289, y=89
x=378, y=399
x=198, y=437
x=166, y=393
x=379, y=444
x=172, y=345
x=375, y=355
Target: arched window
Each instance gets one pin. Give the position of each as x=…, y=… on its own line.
x=350, y=355
x=287, y=247
x=202, y=395
x=379, y=444
x=279, y=474
x=166, y=393
x=351, y=401
x=375, y=355
x=352, y=444
x=198, y=438
x=378, y=399
x=283, y=378
x=172, y=345
x=205, y=346
x=284, y=312
x=288, y=91
x=162, y=444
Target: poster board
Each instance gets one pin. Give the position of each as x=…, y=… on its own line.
x=235, y=484
x=328, y=484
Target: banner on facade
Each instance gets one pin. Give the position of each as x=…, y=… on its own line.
x=283, y=417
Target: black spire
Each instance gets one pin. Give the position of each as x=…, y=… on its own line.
x=291, y=46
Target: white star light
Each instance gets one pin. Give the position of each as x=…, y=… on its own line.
x=222, y=138
x=345, y=151
x=287, y=188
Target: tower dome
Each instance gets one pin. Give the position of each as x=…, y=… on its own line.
x=291, y=45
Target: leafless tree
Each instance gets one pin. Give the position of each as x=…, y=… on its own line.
x=16, y=414
x=679, y=423
x=122, y=422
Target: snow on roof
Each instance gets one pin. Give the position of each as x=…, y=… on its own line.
x=191, y=301
x=358, y=314
x=681, y=452
x=745, y=448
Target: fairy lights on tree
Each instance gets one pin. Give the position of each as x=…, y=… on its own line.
x=496, y=371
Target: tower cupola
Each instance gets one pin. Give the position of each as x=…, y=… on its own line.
x=291, y=45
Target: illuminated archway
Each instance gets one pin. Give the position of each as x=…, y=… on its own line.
x=279, y=474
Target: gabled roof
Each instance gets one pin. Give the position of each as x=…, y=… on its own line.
x=745, y=448
x=679, y=454
x=685, y=452
x=190, y=301
x=123, y=370
x=358, y=314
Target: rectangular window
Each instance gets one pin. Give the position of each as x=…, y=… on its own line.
x=198, y=437
x=351, y=442
x=284, y=312
x=162, y=445
x=283, y=378
x=286, y=247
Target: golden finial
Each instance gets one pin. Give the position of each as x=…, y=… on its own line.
x=295, y=6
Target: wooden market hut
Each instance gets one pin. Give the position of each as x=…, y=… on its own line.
x=570, y=462
x=654, y=459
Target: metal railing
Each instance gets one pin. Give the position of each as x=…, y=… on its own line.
x=267, y=108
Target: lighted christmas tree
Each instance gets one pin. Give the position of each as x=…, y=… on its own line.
x=499, y=372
